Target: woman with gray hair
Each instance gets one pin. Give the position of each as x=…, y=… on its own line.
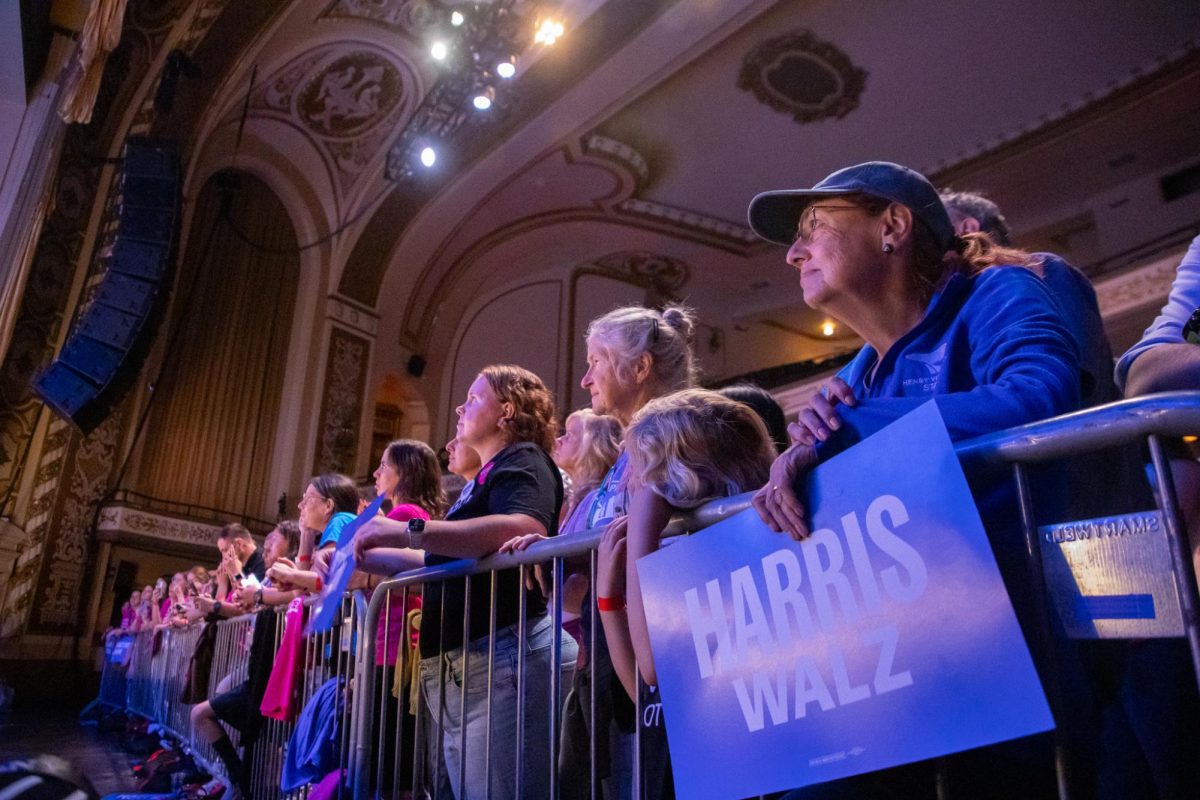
x=634, y=355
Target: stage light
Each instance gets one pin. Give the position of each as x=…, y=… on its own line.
x=439, y=51
x=483, y=100
x=828, y=328
x=548, y=32
x=428, y=156
x=457, y=18
x=506, y=69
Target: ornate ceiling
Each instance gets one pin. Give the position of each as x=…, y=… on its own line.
x=651, y=124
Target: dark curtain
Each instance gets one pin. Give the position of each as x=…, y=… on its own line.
x=211, y=430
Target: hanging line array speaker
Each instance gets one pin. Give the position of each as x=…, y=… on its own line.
x=103, y=354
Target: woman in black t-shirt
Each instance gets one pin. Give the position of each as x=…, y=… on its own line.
x=508, y=418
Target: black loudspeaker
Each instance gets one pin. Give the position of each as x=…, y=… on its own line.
x=416, y=366
x=109, y=340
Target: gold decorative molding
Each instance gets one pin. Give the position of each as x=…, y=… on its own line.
x=1149, y=283
x=117, y=522
x=352, y=316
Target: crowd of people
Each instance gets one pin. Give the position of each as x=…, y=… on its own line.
x=948, y=309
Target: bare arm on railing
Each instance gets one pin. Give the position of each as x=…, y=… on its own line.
x=626, y=540
x=648, y=515
x=390, y=560
x=465, y=538
x=610, y=584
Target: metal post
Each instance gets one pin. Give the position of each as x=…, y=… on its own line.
x=1181, y=552
x=522, y=612
x=487, y=741
x=593, y=616
x=359, y=769
x=637, y=733
x=398, y=673
x=382, y=736
x=1037, y=585
x=462, y=688
x=556, y=566
x=440, y=730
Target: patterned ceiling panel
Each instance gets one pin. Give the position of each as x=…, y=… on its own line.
x=346, y=97
x=413, y=17
x=804, y=76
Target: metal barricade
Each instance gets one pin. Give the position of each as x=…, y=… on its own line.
x=113, y=690
x=140, y=687
x=152, y=686
x=1144, y=419
x=371, y=647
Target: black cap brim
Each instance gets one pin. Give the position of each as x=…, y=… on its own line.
x=774, y=215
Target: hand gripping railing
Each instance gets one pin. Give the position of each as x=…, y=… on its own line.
x=1151, y=418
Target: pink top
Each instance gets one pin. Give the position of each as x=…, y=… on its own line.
x=397, y=612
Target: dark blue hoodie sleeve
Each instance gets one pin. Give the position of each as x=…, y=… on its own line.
x=1022, y=358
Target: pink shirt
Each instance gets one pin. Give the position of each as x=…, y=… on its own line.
x=397, y=612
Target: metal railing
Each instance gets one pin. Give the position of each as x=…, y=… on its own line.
x=379, y=748
x=1149, y=418
x=152, y=686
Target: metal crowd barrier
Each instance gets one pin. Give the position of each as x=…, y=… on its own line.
x=374, y=740
x=113, y=688
x=152, y=685
x=1146, y=419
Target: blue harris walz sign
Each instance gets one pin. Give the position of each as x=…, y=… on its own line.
x=885, y=638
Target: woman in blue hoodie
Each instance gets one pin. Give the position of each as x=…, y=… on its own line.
x=956, y=319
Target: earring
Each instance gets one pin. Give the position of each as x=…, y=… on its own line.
x=887, y=247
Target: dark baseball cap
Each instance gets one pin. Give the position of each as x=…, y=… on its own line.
x=774, y=215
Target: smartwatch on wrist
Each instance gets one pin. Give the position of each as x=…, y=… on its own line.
x=416, y=531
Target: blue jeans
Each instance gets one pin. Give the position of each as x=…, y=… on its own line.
x=534, y=749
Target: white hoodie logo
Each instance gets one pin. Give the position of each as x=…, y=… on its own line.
x=930, y=364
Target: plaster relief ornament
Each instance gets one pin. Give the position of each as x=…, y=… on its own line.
x=350, y=95
x=414, y=17
x=804, y=76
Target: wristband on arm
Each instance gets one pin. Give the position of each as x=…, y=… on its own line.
x=616, y=603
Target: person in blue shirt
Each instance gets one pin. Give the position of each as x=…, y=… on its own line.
x=958, y=320
x=971, y=212
x=328, y=504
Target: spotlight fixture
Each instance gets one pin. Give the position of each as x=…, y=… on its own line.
x=548, y=32
x=483, y=100
x=828, y=328
x=475, y=47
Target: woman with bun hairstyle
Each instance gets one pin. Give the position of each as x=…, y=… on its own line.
x=634, y=355
x=508, y=419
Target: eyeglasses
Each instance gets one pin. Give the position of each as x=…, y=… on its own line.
x=808, y=223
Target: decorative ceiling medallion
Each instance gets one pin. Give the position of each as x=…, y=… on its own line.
x=349, y=95
x=801, y=75
x=409, y=16
x=666, y=274
x=346, y=98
